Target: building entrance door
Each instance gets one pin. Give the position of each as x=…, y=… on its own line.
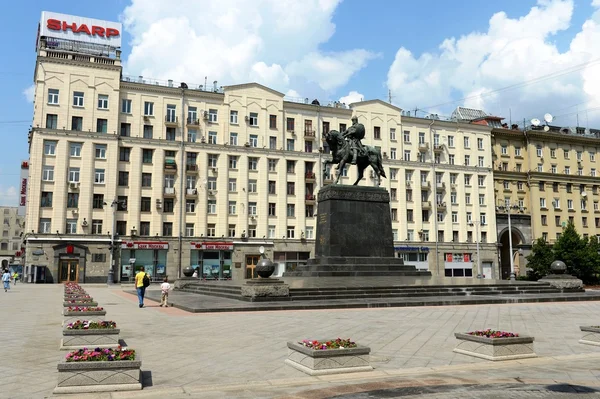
x=68, y=271
x=251, y=262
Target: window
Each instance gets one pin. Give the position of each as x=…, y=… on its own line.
x=252, y=163
x=542, y=202
x=291, y=210
x=377, y=132
x=123, y=178
x=290, y=144
x=190, y=205
x=557, y=220
x=98, y=201
x=272, y=187
x=46, y=199
x=232, y=184
x=504, y=149
x=99, y=176
x=213, y=115
x=466, y=142
x=467, y=180
x=567, y=170
x=539, y=151
x=169, y=181
x=272, y=121
x=102, y=101
x=233, y=161
x=233, y=139
x=167, y=229
x=469, y=217
x=146, y=204
x=147, y=155
x=289, y=124
x=467, y=160
x=148, y=131
x=583, y=204
x=48, y=173
x=392, y=153
x=481, y=181
x=233, y=118
x=73, y=175
x=407, y=155
x=454, y=217
x=593, y=172
x=273, y=143
x=148, y=108
x=101, y=125
x=480, y=162
x=480, y=144
x=125, y=129
x=190, y=182
x=253, y=140
x=189, y=229
x=171, y=134
x=272, y=165
x=71, y=226
x=171, y=113
x=126, y=106
x=592, y=156
x=392, y=133
x=542, y=186
x=78, y=99
x=451, y=159
x=212, y=160
x=168, y=205
x=124, y=154
x=231, y=230
x=579, y=155
x=566, y=154
x=232, y=207
x=211, y=207
x=77, y=123
x=450, y=141
x=252, y=208
x=253, y=119
x=556, y=203
x=517, y=151
x=212, y=137
x=97, y=227
x=481, y=199
x=291, y=188
x=425, y=235
x=409, y=215
x=251, y=186
x=75, y=149
x=211, y=230
x=310, y=233
x=51, y=121
x=53, y=96
x=453, y=197
x=569, y=204
x=291, y=166
x=44, y=226
x=467, y=198
x=406, y=136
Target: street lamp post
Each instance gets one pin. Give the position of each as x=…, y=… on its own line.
x=111, y=271
x=477, y=223
x=506, y=208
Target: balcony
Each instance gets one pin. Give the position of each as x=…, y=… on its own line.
x=310, y=177
x=440, y=186
x=170, y=164
x=328, y=179
x=193, y=121
x=169, y=191
x=309, y=134
x=441, y=206
x=171, y=121
x=426, y=205
x=437, y=148
x=192, y=168
x=425, y=185
x=423, y=147
x=309, y=199
x=190, y=192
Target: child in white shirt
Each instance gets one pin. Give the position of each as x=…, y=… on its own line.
x=165, y=287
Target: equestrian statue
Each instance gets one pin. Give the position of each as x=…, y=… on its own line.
x=346, y=147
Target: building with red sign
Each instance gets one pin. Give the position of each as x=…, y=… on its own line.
x=168, y=175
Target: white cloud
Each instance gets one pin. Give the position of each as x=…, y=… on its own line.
x=512, y=51
x=273, y=42
x=352, y=97
x=29, y=93
x=9, y=196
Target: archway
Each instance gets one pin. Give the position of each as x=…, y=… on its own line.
x=517, y=240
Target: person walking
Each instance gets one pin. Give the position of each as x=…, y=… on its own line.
x=141, y=282
x=165, y=287
x=15, y=277
x=6, y=280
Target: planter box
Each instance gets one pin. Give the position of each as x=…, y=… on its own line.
x=590, y=336
x=76, y=297
x=81, y=377
x=66, y=304
x=495, y=348
x=330, y=361
x=100, y=338
x=71, y=317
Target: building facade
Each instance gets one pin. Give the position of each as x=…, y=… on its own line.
x=552, y=178
x=163, y=175
x=10, y=243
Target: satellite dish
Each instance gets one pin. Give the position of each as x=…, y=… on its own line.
x=261, y=250
x=548, y=118
x=535, y=122
x=546, y=128
x=584, y=194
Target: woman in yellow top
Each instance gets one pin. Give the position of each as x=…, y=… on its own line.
x=139, y=286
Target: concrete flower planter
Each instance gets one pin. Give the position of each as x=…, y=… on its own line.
x=97, y=338
x=71, y=317
x=82, y=377
x=76, y=297
x=590, y=335
x=330, y=361
x=495, y=348
x=68, y=303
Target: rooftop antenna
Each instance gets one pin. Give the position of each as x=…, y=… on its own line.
x=548, y=118
x=205, y=81
x=390, y=96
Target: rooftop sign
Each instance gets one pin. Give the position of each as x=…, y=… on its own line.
x=80, y=29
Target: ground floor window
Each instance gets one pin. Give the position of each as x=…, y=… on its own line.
x=458, y=265
x=211, y=265
x=418, y=259
x=153, y=260
x=288, y=261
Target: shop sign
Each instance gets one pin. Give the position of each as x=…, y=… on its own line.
x=411, y=249
x=217, y=246
x=144, y=245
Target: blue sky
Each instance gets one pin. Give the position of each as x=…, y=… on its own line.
x=382, y=45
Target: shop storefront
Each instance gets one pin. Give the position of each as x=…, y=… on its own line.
x=414, y=256
x=212, y=260
x=458, y=265
x=151, y=255
x=288, y=261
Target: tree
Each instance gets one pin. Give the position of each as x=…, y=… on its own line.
x=579, y=254
x=540, y=259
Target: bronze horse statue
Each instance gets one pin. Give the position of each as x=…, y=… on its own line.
x=342, y=155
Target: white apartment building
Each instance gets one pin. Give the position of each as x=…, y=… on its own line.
x=188, y=175
x=10, y=243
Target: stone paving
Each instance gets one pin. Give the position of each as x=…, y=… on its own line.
x=240, y=355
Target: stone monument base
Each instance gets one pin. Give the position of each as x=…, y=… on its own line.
x=564, y=282
x=266, y=289
x=353, y=266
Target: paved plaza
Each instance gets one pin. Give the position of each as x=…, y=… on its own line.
x=241, y=354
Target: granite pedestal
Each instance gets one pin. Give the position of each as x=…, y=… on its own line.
x=354, y=236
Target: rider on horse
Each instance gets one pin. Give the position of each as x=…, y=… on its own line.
x=354, y=134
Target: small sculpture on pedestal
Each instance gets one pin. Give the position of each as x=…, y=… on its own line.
x=559, y=279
